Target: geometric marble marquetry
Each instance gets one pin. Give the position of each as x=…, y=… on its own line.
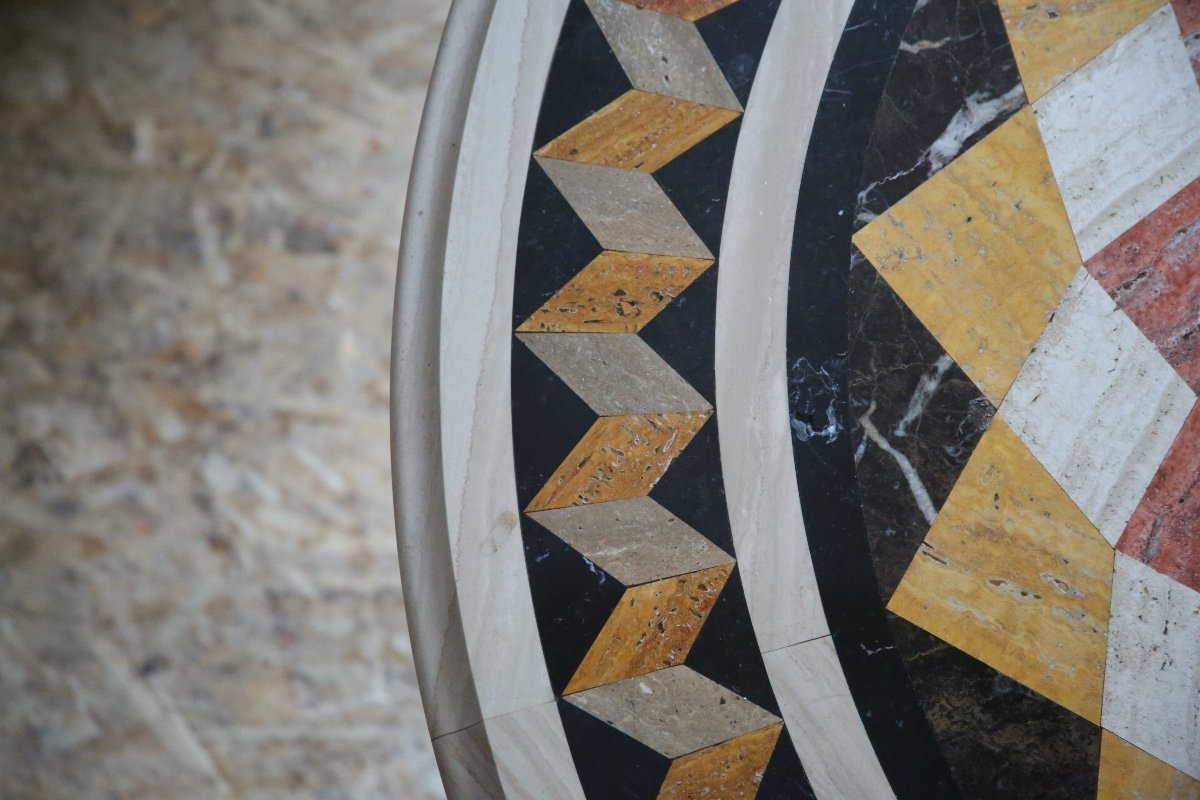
x=1098, y=406
x=1014, y=574
x=938, y=263
x=1123, y=133
x=981, y=252
x=1051, y=40
x=669, y=575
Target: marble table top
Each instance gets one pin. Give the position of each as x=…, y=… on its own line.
x=797, y=398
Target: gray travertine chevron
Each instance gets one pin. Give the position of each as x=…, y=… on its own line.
x=674, y=711
x=615, y=373
x=625, y=209
x=636, y=541
x=663, y=54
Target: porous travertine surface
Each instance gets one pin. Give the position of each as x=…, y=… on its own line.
x=199, y=219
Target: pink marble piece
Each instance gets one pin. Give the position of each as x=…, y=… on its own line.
x=1164, y=531
x=1152, y=271
x=1187, y=13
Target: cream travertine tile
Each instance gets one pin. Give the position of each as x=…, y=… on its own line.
x=829, y=736
x=750, y=353
x=1098, y=405
x=521, y=754
x=1123, y=133
x=1152, y=686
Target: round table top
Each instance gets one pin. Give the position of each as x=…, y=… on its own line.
x=796, y=398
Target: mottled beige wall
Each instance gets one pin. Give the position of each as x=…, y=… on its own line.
x=199, y=215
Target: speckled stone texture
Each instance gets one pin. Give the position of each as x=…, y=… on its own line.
x=199, y=595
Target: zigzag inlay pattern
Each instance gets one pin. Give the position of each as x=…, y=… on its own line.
x=587, y=334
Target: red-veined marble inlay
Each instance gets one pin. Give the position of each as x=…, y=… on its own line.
x=1153, y=272
x=1164, y=531
x=1187, y=12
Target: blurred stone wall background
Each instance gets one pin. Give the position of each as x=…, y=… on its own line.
x=200, y=208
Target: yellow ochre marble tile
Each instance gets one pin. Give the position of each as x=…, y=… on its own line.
x=616, y=293
x=1052, y=39
x=731, y=770
x=653, y=627
x=1013, y=573
x=639, y=130
x=691, y=10
x=619, y=458
x=1129, y=773
x=982, y=253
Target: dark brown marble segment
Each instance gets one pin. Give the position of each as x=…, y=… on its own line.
x=955, y=80
x=915, y=416
x=1003, y=741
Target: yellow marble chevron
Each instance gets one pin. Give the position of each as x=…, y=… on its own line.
x=639, y=130
x=653, y=627
x=616, y=293
x=619, y=458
